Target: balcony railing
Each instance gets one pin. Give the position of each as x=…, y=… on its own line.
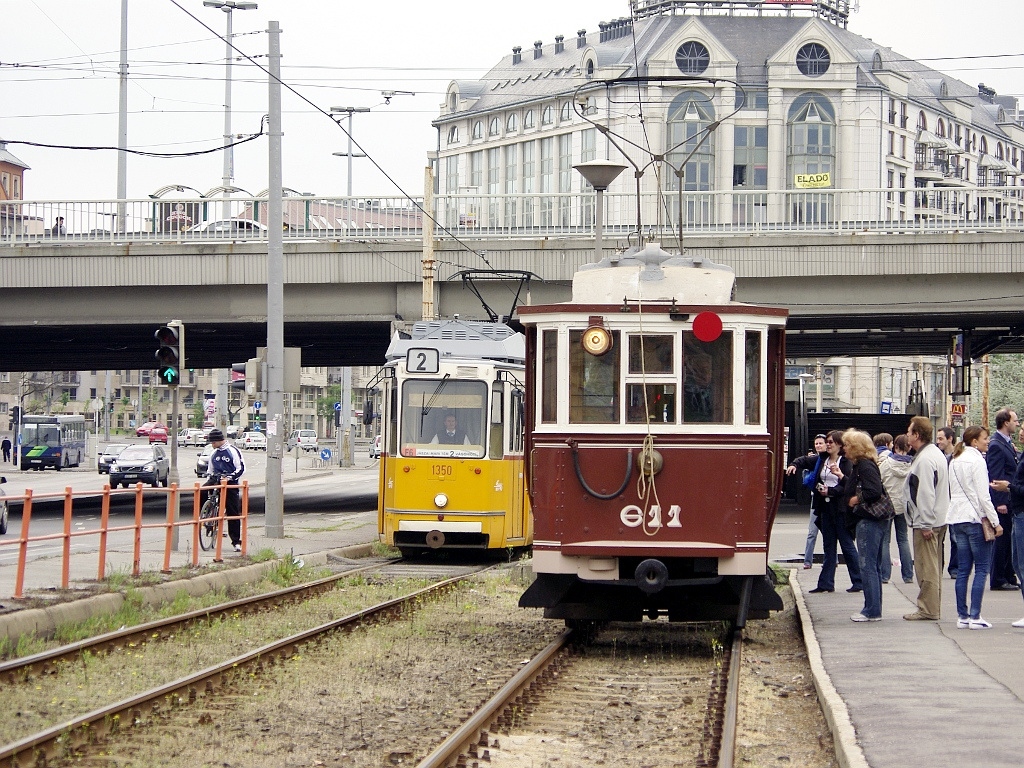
x=476, y=216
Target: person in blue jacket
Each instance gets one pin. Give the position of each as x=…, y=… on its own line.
x=226, y=462
x=1001, y=459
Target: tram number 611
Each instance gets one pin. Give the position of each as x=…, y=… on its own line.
x=633, y=517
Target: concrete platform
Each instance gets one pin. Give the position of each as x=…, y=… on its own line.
x=908, y=694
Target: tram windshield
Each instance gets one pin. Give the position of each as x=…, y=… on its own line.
x=443, y=417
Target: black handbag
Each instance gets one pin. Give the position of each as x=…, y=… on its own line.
x=881, y=509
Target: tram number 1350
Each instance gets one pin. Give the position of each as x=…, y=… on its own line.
x=633, y=517
x=441, y=470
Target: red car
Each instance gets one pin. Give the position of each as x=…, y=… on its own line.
x=158, y=434
x=144, y=429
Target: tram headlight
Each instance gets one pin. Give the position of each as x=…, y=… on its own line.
x=441, y=500
x=597, y=341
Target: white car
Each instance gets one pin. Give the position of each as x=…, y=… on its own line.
x=305, y=439
x=375, y=447
x=229, y=228
x=254, y=441
x=191, y=437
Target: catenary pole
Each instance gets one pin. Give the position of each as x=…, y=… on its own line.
x=275, y=300
x=122, y=121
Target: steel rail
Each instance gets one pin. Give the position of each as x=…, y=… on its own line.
x=45, y=662
x=727, y=749
x=92, y=726
x=468, y=735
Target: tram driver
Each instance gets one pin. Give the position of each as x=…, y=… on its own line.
x=451, y=434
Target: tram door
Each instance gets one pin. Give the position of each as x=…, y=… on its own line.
x=516, y=421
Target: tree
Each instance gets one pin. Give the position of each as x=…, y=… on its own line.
x=325, y=407
x=1005, y=385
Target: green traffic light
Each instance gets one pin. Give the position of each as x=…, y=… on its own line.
x=169, y=375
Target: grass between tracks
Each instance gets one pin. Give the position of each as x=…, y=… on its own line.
x=134, y=611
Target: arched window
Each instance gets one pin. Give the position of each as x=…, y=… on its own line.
x=566, y=113
x=453, y=135
x=547, y=116
x=811, y=153
x=999, y=150
x=528, y=119
x=876, y=62
x=940, y=129
x=590, y=69
x=922, y=121
x=512, y=123
x=984, y=145
x=478, y=129
x=494, y=127
x=813, y=60
x=689, y=115
x=453, y=102
x=692, y=58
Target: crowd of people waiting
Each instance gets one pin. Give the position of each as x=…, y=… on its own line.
x=863, y=487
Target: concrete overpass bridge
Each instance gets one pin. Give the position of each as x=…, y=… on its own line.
x=78, y=303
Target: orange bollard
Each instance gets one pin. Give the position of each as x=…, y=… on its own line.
x=137, y=556
x=66, y=564
x=245, y=517
x=219, y=556
x=104, y=523
x=172, y=514
x=26, y=517
x=197, y=497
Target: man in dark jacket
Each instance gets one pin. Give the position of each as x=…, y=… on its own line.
x=1002, y=463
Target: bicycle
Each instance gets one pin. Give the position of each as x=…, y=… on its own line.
x=208, y=522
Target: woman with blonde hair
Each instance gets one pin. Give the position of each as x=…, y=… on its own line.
x=864, y=486
x=969, y=501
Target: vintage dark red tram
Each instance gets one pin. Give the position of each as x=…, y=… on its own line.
x=654, y=443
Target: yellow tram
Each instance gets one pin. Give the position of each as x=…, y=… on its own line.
x=451, y=460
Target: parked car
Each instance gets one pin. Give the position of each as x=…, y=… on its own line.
x=158, y=434
x=375, y=447
x=254, y=441
x=203, y=462
x=233, y=431
x=140, y=464
x=305, y=439
x=107, y=456
x=144, y=429
x=192, y=437
x=3, y=507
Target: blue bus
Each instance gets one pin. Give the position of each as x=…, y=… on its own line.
x=52, y=441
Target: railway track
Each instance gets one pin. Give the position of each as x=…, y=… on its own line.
x=99, y=723
x=554, y=709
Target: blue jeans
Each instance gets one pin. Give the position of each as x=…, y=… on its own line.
x=972, y=550
x=833, y=529
x=812, y=539
x=1017, y=538
x=903, y=544
x=870, y=534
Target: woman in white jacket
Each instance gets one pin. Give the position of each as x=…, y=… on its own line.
x=968, y=501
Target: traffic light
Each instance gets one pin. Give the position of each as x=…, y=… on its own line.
x=171, y=353
x=237, y=376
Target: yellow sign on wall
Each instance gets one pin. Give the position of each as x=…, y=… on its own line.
x=813, y=180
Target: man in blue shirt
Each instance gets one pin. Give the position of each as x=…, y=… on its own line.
x=226, y=462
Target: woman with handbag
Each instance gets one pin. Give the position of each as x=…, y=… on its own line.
x=970, y=507
x=830, y=475
x=872, y=512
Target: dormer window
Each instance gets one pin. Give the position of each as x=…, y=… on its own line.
x=589, y=69
x=453, y=102
x=692, y=58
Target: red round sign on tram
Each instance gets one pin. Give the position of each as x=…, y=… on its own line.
x=707, y=326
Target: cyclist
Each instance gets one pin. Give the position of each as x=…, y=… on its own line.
x=226, y=462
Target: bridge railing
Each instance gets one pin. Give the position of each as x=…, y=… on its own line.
x=523, y=216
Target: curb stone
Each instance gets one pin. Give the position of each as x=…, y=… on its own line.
x=43, y=622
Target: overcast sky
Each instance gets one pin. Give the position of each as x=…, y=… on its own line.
x=58, y=79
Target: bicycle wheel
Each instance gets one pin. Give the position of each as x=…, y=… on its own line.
x=208, y=525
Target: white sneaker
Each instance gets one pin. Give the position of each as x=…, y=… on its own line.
x=862, y=617
x=238, y=547
x=963, y=623
x=980, y=623
x=1018, y=624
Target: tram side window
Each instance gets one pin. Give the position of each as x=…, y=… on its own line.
x=752, y=396
x=549, y=378
x=517, y=422
x=444, y=418
x=593, y=383
x=707, y=379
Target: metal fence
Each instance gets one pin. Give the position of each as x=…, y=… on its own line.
x=476, y=216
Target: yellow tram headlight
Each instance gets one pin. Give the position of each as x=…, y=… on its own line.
x=597, y=341
x=441, y=500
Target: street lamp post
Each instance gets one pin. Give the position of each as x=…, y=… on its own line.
x=600, y=174
x=349, y=154
x=229, y=166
